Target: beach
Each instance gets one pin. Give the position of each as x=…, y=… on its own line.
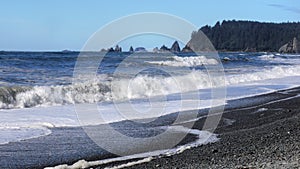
x=259, y=132
x=144, y=85
x=263, y=135
x=40, y=124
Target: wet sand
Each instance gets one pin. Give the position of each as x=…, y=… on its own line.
x=257, y=132
x=263, y=134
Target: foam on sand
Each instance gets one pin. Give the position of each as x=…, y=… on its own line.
x=23, y=124
x=38, y=121
x=15, y=134
x=204, y=137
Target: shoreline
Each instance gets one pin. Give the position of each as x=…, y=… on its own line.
x=240, y=116
x=264, y=135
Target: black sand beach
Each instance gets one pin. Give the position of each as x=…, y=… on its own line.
x=257, y=132
x=263, y=135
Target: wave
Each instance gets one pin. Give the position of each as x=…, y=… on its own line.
x=141, y=86
x=21, y=97
x=187, y=61
x=281, y=58
x=272, y=73
x=267, y=57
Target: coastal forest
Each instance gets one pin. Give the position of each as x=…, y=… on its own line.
x=250, y=35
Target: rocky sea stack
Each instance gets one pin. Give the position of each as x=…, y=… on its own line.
x=175, y=47
x=292, y=46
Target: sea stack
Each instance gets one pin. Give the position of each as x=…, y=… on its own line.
x=187, y=49
x=292, y=46
x=175, y=47
x=155, y=50
x=140, y=49
x=118, y=49
x=163, y=48
x=131, y=49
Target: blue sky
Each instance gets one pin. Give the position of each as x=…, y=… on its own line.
x=67, y=24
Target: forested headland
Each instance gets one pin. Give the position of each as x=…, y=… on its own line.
x=249, y=36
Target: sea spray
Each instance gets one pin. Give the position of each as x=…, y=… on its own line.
x=141, y=86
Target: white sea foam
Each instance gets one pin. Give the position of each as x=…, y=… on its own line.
x=42, y=115
x=45, y=111
x=204, y=137
x=262, y=109
x=191, y=61
x=141, y=86
x=22, y=124
x=292, y=59
x=33, y=120
x=273, y=73
x=267, y=57
x=15, y=134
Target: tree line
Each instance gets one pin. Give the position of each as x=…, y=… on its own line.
x=249, y=35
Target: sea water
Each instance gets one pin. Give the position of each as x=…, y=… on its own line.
x=38, y=91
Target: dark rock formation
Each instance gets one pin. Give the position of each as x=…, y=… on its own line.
x=103, y=50
x=110, y=50
x=131, y=49
x=186, y=49
x=164, y=49
x=199, y=43
x=175, y=47
x=226, y=59
x=292, y=46
x=140, y=49
x=118, y=49
x=66, y=51
x=155, y=50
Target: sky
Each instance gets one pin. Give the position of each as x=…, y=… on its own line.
x=54, y=25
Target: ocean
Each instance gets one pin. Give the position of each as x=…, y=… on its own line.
x=39, y=91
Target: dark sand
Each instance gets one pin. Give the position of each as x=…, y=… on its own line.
x=257, y=139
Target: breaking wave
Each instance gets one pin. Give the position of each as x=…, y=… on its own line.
x=141, y=86
x=267, y=57
x=187, y=61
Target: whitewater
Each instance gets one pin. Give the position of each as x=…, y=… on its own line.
x=141, y=86
x=37, y=91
